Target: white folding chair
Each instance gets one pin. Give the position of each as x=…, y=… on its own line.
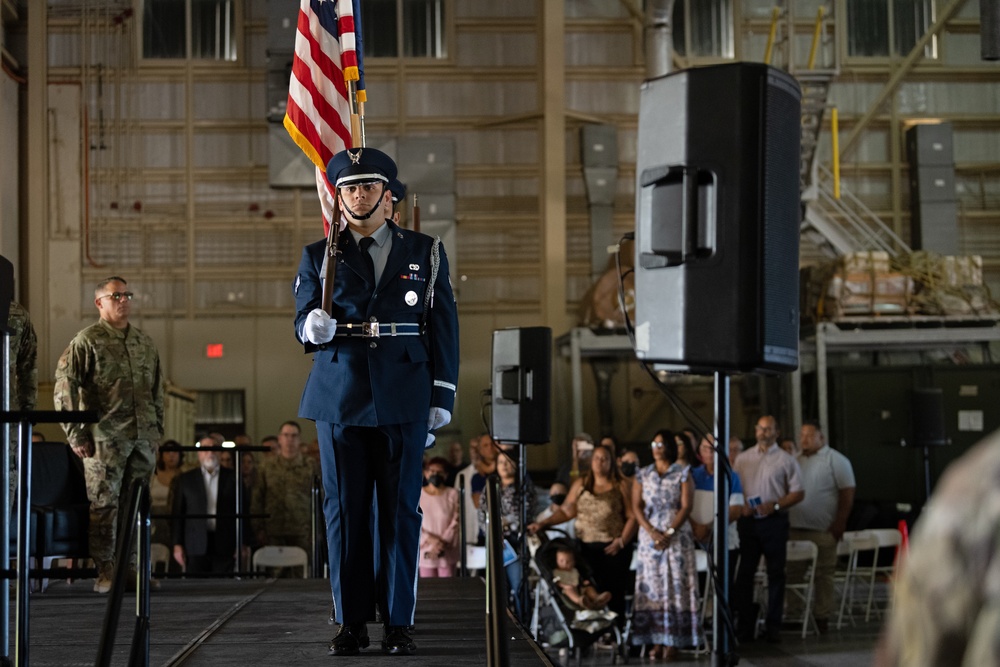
x=281, y=556
x=159, y=554
x=889, y=540
x=807, y=552
x=854, y=544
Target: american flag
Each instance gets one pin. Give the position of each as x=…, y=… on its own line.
x=318, y=113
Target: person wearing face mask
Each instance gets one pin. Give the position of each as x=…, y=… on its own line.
x=205, y=545
x=628, y=462
x=557, y=496
x=439, y=530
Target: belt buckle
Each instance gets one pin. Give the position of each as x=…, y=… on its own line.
x=370, y=329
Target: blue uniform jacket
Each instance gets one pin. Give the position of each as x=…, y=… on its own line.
x=386, y=380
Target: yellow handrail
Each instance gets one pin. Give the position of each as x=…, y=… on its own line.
x=817, y=31
x=835, y=148
x=775, y=14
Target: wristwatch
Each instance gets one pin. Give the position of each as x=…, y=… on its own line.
x=777, y=507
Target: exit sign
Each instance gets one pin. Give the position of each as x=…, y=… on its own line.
x=213, y=350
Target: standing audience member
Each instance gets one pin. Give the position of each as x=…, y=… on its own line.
x=455, y=462
x=828, y=480
x=611, y=443
x=772, y=483
x=790, y=446
x=703, y=510
x=168, y=467
x=665, y=610
x=464, y=480
x=439, y=530
x=735, y=449
x=605, y=524
x=284, y=492
x=582, y=447
x=114, y=368
x=22, y=376
x=486, y=465
x=511, y=497
x=272, y=442
x=205, y=545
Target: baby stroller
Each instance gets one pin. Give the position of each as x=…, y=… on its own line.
x=556, y=620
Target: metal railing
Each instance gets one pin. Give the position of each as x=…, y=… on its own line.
x=496, y=579
x=136, y=528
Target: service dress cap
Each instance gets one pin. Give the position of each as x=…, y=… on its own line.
x=360, y=165
x=398, y=190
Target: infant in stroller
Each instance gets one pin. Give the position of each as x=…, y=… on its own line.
x=582, y=594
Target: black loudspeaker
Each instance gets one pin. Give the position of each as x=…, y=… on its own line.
x=928, y=418
x=933, y=202
x=989, y=29
x=717, y=220
x=522, y=375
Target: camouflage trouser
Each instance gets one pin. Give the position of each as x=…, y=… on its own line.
x=109, y=474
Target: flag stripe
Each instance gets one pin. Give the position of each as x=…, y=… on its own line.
x=318, y=111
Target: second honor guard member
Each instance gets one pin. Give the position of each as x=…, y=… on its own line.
x=383, y=378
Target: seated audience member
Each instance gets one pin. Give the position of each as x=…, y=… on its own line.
x=582, y=448
x=604, y=524
x=37, y=436
x=283, y=491
x=227, y=460
x=205, y=545
x=567, y=577
x=439, y=530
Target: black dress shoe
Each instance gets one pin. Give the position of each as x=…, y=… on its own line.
x=350, y=639
x=397, y=642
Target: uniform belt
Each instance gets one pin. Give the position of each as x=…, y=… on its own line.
x=377, y=329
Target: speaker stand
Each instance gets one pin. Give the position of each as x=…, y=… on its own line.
x=522, y=475
x=721, y=650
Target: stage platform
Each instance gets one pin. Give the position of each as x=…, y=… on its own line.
x=261, y=622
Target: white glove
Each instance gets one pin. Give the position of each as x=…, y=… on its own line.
x=438, y=417
x=430, y=441
x=319, y=327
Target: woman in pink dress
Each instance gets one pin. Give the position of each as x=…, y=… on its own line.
x=439, y=531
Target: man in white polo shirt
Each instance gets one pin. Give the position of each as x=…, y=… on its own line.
x=772, y=483
x=821, y=518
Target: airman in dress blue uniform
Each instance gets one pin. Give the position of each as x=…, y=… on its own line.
x=384, y=372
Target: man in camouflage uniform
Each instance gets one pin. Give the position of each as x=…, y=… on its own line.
x=946, y=601
x=23, y=375
x=113, y=368
x=283, y=490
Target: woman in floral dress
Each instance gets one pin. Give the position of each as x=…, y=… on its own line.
x=665, y=611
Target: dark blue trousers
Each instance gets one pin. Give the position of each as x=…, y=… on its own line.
x=359, y=463
x=767, y=537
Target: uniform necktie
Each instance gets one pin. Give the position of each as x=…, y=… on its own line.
x=366, y=244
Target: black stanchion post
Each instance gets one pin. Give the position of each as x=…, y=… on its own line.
x=23, y=539
x=238, y=469
x=140, y=640
x=106, y=646
x=463, y=553
x=5, y=509
x=496, y=580
x=720, y=634
x=522, y=592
